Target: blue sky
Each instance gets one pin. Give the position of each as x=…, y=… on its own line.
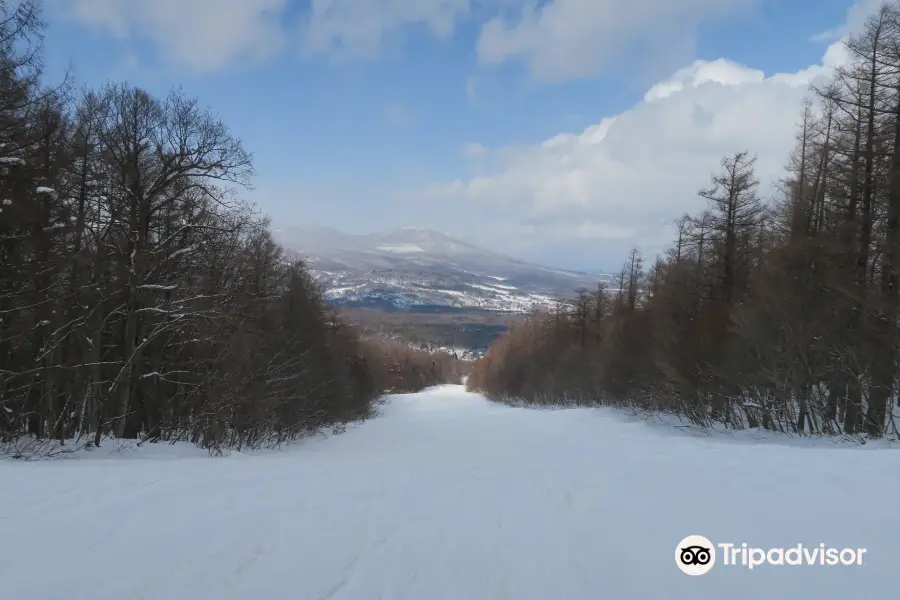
x=372, y=135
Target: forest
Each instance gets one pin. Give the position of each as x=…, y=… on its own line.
x=777, y=312
x=141, y=296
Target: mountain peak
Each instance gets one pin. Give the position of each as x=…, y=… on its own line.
x=418, y=267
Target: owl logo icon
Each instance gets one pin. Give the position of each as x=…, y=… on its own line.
x=695, y=555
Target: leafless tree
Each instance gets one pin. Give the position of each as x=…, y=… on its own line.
x=780, y=313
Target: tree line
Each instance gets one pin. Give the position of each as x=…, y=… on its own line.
x=779, y=313
x=140, y=296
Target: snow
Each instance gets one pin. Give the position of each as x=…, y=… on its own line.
x=426, y=283
x=339, y=292
x=45, y=190
x=497, y=289
x=455, y=293
x=401, y=248
x=503, y=301
x=447, y=496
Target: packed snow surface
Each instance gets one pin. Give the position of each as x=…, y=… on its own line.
x=446, y=496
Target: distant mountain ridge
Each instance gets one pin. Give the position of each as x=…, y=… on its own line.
x=420, y=270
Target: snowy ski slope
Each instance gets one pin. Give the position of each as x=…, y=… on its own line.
x=449, y=497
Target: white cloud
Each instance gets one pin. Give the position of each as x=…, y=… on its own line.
x=359, y=28
x=856, y=16
x=562, y=39
x=474, y=149
x=829, y=35
x=199, y=34
x=573, y=38
x=210, y=34
x=621, y=181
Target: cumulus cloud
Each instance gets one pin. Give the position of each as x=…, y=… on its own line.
x=565, y=39
x=359, y=29
x=621, y=181
x=198, y=34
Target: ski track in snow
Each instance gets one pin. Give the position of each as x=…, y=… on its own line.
x=447, y=496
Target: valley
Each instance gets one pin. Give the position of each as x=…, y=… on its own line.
x=467, y=333
x=428, y=288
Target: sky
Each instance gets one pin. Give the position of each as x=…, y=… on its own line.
x=564, y=132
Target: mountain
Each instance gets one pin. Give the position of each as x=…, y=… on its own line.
x=421, y=270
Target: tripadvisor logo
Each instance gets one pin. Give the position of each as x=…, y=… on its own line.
x=696, y=555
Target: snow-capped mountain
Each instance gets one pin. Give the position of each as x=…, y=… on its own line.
x=414, y=269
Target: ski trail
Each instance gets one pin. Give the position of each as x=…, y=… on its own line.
x=447, y=496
